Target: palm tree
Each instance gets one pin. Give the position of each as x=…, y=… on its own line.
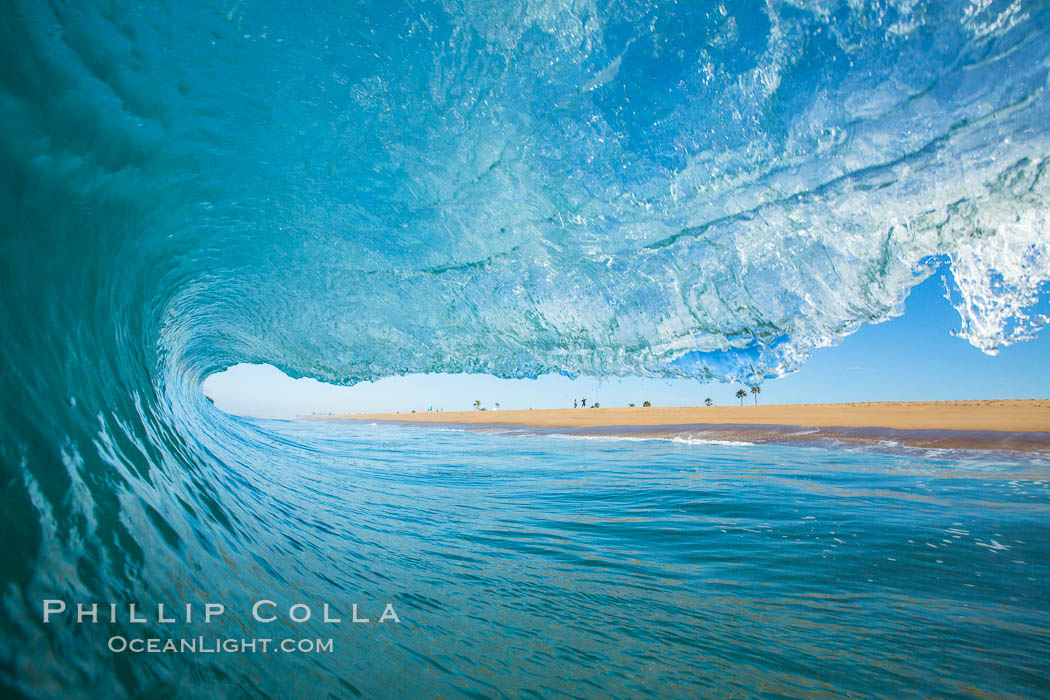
x=708, y=402
x=477, y=405
x=756, y=390
x=741, y=394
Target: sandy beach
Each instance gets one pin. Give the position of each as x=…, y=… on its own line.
x=984, y=424
x=991, y=415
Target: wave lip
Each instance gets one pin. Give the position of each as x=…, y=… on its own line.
x=712, y=196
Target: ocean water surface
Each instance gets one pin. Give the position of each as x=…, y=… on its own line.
x=558, y=567
x=355, y=190
x=544, y=566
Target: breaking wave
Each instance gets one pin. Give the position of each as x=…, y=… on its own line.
x=354, y=190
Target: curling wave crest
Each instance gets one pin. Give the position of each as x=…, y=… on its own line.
x=685, y=189
x=354, y=190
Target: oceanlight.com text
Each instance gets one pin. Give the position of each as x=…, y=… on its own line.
x=216, y=645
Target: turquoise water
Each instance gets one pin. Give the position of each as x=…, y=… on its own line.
x=354, y=190
x=553, y=566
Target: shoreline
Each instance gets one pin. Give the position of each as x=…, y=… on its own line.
x=1013, y=425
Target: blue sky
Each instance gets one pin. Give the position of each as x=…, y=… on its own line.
x=910, y=358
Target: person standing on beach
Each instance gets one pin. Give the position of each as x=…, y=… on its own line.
x=584, y=402
x=574, y=403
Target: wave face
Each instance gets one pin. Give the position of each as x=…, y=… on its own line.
x=354, y=190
